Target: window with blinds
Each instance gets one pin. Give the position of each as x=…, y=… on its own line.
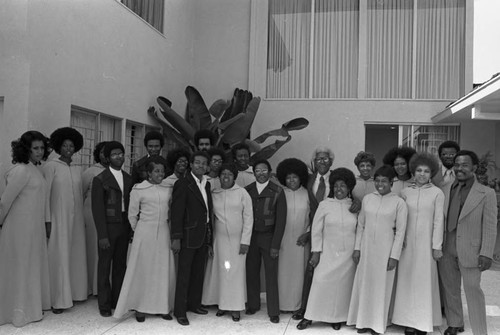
x=384, y=49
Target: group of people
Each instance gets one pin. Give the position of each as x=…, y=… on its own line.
x=386, y=246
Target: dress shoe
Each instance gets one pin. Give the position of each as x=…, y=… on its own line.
x=274, y=319
x=298, y=315
x=183, y=321
x=104, y=313
x=167, y=317
x=303, y=324
x=140, y=317
x=251, y=311
x=220, y=313
x=336, y=325
x=235, y=316
x=410, y=331
x=374, y=332
x=453, y=330
x=363, y=330
x=419, y=332
x=60, y=310
x=200, y=311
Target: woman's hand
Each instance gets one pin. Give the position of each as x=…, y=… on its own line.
x=304, y=239
x=356, y=255
x=274, y=253
x=176, y=246
x=437, y=254
x=355, y=206
x=314, y=259
x=391, y=264
x=243, y=249
x=210, y=251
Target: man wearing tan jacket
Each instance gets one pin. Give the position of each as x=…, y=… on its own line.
x=470, y=234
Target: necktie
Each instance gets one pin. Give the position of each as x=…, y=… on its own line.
x=448, y=176
x=320, y=193
x=454, y=209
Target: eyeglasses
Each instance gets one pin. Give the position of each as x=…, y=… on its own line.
x=182, y=161
x=121, y=154
x=261, y=171
x=322, y=159
x=217, y=161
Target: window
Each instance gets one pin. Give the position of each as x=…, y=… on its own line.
x=379, y=138
x=384, y=49
x=151, y=11
x=427, y=138
x=134, y=143
x=94, y=127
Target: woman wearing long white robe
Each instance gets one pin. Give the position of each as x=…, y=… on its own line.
x=67, y=247
x=379, y=239
x=293, y=175
x=24, y=265
x=417, y=302
x=225, y=282
x=149, y=283
x=332, y=243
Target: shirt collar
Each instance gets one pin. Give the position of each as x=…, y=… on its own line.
x=203, y=179
x=326, y=176
x=468, y=183
x=261, y=187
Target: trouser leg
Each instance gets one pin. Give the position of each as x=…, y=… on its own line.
x=451, y=277
x=182, y=284
x=198, y=266
x=119, y=265
x=271, y=274
x=253, y=263
x=475, y=300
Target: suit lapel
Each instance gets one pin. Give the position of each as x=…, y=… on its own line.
x=476, y=194
x=310, y=182
x=194, y=188
x=111, y=180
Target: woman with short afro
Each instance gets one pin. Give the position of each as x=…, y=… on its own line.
x=292, y=173
x=67, y=249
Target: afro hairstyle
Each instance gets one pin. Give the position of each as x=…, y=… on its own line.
x=343, y=174
x=66, y=133
x=289, y=166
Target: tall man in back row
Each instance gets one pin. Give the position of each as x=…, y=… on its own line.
x=470, y=234
x=153, y=141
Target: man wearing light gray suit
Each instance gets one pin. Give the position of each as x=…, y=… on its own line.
x=470, y=234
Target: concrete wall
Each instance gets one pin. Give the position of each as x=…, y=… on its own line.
x=96, y=54
x=222, y=62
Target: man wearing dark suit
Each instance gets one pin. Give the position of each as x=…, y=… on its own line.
x=470, y=232
x=153, y=141
x=269, y=214
x=191, y=216
x=110, y=199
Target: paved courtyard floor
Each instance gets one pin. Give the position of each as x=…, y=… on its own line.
x=84, y=318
